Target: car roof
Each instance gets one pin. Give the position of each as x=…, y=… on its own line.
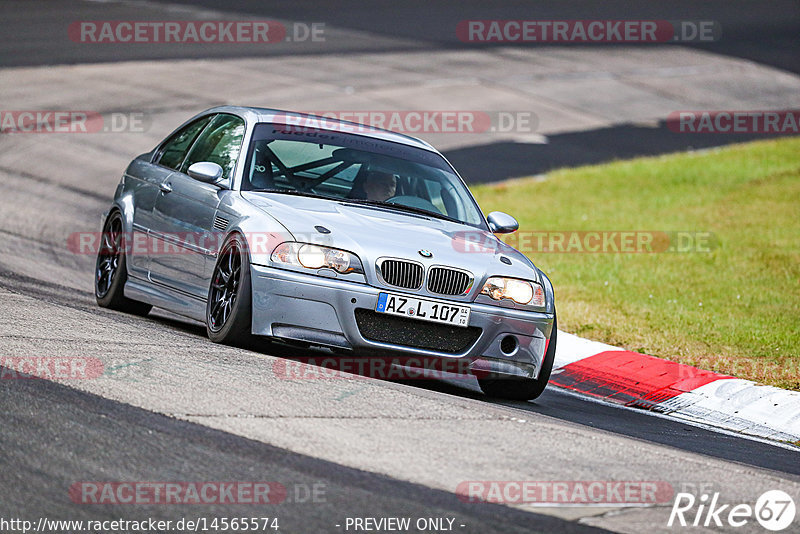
x=278, y=116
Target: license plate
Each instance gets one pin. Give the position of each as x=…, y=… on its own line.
x=424, y=309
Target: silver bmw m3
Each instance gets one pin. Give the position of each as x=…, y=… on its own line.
x=308, y=230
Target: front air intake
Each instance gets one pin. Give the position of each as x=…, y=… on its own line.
x=401, y=273
x=446, y=281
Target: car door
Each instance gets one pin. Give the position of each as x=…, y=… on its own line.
x=147, y=182
x=183, y=216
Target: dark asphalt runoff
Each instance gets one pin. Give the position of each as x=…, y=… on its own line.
x=34, y=32
x=54, y=437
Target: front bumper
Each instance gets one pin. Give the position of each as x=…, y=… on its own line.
x=322, y=311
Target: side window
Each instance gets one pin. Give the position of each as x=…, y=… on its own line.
x=173, y=152
x=220, y=143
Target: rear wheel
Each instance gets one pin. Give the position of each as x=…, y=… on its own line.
x=111, y=273
x=524, y=388
x=229, y=307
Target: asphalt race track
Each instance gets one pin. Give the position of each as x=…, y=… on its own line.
x=583, y=132
x=55, y=435
x=119, y=440
x=172, y=406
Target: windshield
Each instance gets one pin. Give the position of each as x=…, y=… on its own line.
x=354, y=168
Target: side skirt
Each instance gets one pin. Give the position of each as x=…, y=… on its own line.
x=165, y=297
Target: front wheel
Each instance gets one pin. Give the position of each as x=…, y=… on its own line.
x=229, y=306
x=524, y=388
x=110, y=273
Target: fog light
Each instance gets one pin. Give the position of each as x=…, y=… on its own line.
x=509, y=344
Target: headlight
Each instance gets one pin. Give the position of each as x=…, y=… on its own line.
x=317, y=257
x=520, y=291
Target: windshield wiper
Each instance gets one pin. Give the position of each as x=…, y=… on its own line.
x=378, y=203
x=291, y=192
x=401, y=207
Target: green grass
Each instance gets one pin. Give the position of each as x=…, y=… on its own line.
x=734, y=309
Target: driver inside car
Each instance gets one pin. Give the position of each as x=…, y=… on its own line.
x=380, y=185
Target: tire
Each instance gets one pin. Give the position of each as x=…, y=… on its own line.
x=524, y=388
x=111, y=272
x=229, y=306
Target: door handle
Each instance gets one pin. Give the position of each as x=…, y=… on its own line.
x=166, y=187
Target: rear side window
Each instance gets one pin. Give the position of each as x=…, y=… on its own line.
x=173, y=152
x=220, y=143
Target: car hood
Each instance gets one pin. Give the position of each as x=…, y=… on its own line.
x=373, y=232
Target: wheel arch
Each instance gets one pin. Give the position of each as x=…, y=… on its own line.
x=549, y=293
x=260, y=236
x=119, y=206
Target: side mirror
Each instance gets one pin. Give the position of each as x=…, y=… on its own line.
x=502, y=223
x=205, y=171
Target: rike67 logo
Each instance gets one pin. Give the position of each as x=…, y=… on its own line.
x=774, y=510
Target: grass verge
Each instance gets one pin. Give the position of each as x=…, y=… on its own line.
x=725, y=298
